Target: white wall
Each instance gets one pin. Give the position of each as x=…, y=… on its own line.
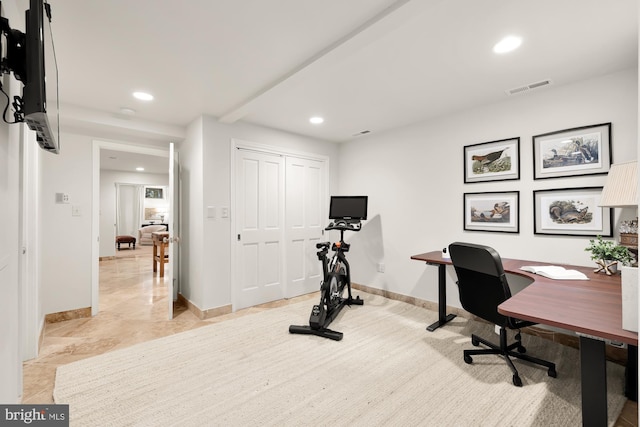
x=211, y=239
x=191, y=222
x=414, y=179
x=65, y=238
x=10, y=162
x=108, y=180
x=10, y=358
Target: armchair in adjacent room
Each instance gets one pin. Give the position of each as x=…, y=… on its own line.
x=144, y=233
x=483, y=286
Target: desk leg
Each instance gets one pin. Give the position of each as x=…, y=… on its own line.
x=631, y=374
x=443, y=317
x=593, y=374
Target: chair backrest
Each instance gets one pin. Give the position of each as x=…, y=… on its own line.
x=482, y=283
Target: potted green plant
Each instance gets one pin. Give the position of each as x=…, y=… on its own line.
x=607, y=254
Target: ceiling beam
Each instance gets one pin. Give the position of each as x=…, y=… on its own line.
x=372, y=29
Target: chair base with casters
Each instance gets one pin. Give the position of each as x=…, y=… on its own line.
x=505, y=351
x=482, y=287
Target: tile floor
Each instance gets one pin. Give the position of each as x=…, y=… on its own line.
x=133, y=309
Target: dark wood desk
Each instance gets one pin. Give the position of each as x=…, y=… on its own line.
x=591, y=308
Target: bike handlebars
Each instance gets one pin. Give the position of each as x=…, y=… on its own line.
x=343, y=225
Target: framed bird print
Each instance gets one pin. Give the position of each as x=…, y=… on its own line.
x=497, y=212
x=571, y=212
x=492, y=161
x=571, y=152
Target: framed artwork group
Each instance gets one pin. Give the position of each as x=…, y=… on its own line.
x=557, y=211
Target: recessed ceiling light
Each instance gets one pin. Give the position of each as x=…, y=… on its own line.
x=139, y=169
x=143, y=96
x=316, y=120
x=127, y=111
x=507, y=44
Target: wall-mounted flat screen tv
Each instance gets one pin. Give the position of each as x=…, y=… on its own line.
x=40, y=92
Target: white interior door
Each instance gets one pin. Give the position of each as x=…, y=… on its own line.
x=305, y=220
x=174, y=229
x=259, y=226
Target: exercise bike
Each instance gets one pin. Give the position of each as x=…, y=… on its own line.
x=336, y=277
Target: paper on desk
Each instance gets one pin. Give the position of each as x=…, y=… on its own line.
x=555, y=272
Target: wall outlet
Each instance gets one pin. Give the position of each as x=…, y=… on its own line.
x=211, y=212
x=76, y=211
x=381, y=267
x=224, y=212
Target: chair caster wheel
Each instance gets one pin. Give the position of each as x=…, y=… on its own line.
x=517, y=381
x=467, y=359
x=552, y=373
x=474, y=341
x=521, y=349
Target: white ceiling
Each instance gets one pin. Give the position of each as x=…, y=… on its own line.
x=362, y=64
x=128, y=162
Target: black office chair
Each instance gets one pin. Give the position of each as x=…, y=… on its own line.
x=483, y=286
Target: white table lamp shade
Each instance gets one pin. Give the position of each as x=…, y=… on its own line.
x=621, y=188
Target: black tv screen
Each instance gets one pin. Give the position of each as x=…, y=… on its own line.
x=348, y=207
x=40, y=92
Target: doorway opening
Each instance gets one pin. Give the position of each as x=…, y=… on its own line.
x=128, y=270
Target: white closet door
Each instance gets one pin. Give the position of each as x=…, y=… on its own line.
x=260, y=202
x=305, y=222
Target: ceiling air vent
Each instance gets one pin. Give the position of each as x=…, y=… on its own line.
x=364, y=132
x=528, y=87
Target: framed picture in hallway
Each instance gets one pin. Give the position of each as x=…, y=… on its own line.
x=572, y=152
x=154, y=193
x=498, y=212
x=571, y=212
x=492, y=161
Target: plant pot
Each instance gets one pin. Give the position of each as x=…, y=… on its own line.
x=608, y=267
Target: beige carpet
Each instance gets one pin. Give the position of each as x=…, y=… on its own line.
x=387, y=370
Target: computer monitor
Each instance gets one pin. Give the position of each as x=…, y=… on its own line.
x=351, y=208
